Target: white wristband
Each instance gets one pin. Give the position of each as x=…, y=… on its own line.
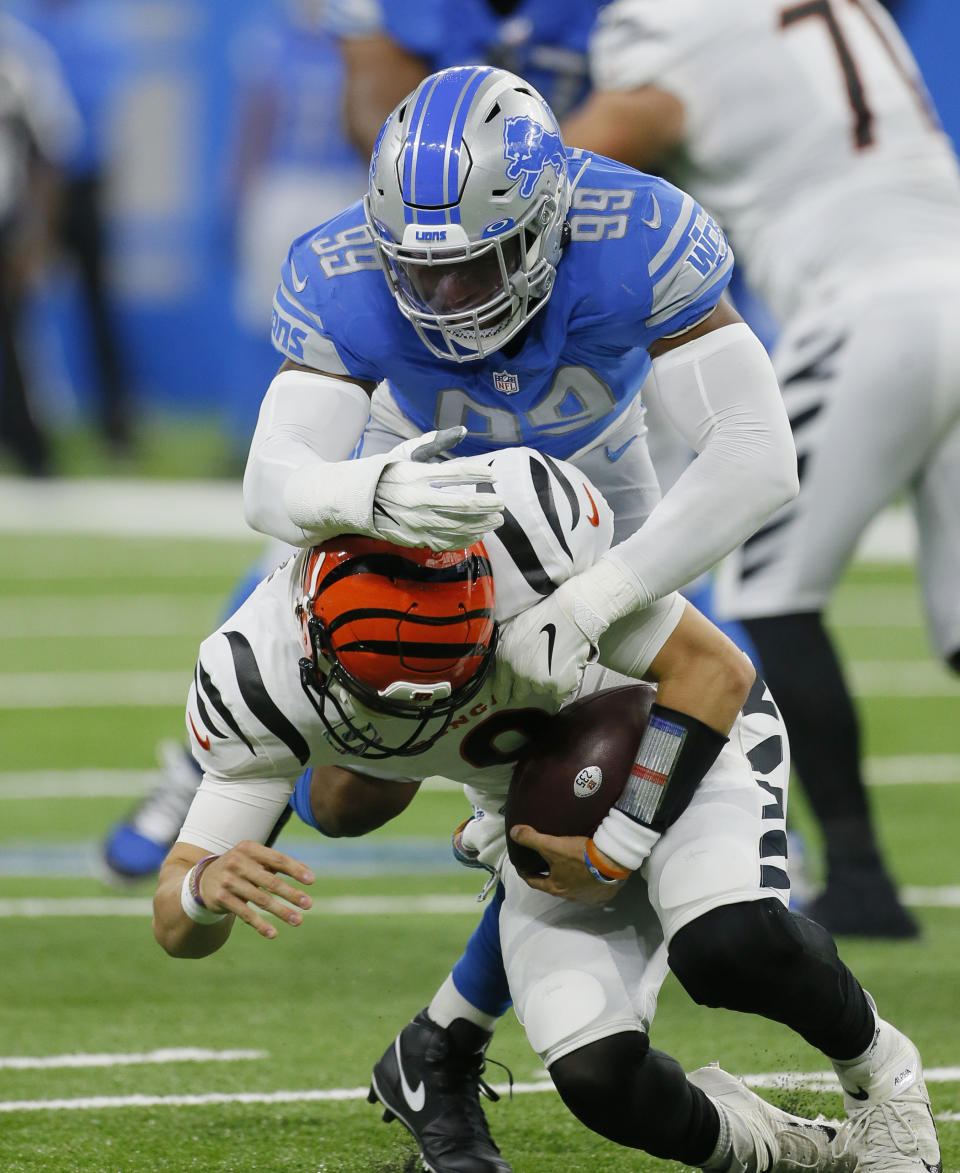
x=626, y=842
x=192, y=907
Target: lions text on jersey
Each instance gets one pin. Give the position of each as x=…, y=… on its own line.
x=644, y=260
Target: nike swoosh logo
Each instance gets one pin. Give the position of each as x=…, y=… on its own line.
x=551, y=633
x=656, y=219
x=614, y=454
x=298, y=285
x=859, y=1094
x=203, y=741
x=594, y=517
x=415, y=1097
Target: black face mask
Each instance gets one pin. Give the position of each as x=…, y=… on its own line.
x=348, y=736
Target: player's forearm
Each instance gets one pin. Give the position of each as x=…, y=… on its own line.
x=701, y=672
x=173, y=929
x=348, y=803
x=721, y=394
x=307, y=420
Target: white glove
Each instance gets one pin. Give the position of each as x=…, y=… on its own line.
x=417, y=504
x=481, y=840
x=547, y=647
x=397, y=496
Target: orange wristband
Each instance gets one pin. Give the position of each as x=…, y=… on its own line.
x=608, y=873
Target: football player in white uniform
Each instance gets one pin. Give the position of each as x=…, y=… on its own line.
x=807, y=131
x=371, y=663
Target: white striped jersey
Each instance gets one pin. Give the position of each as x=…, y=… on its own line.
x=808, y=133
x=253, y=730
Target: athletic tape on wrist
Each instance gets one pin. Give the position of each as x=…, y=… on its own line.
x=675, y=752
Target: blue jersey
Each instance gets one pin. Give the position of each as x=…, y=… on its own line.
x=644, y=261
x=543, y=41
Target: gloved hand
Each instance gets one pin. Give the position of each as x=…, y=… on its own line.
x=398, y=496
x=417, y=504
x=480, y=841
x=546, y=648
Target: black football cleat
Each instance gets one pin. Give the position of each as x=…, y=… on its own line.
x=862, y=902
x=430, y=1080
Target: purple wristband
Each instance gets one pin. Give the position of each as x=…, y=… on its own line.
x=195, y=880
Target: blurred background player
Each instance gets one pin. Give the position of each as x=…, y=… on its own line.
x=87, y=44
x=844, y=152
x=39, y=132
x=289, y=166
x=389, y=47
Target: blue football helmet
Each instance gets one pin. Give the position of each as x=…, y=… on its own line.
x=469, y=192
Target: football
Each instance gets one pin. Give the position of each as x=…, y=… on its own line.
x=576, y=767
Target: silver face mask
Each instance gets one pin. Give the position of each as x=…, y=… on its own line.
x=469, y=191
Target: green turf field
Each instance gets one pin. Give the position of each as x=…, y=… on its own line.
x=97, y=643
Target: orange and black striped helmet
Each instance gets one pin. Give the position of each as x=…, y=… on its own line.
x=408, y=633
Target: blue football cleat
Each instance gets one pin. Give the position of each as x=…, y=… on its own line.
x=135, y=848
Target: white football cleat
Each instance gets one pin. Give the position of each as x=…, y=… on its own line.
x=891, y=1127
x=765, y=1139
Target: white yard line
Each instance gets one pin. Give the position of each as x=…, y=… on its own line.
x=127, y=1059
x=80, y=906
x=918, y=897
x=213, y=509
x=910, y=768
x=900, y=678
x=122, y=688
x=109, y=616
x=904, y=769
x=31, y=907
x=104, y=687
x=122, y=783
x=60, y=784
x=123, y=508
x=816, y=1081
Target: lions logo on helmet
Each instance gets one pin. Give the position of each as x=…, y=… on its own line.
x=469, y=191
x=528, y=148
x=398, y=632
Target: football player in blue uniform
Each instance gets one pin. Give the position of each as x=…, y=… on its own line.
x=496, y=288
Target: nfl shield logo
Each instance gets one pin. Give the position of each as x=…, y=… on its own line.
x=505, y=382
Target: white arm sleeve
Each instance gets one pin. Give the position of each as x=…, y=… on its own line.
x=310, y=420
x=224, y=812
x=721, y=394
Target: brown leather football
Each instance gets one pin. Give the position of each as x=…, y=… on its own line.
x=575, y=769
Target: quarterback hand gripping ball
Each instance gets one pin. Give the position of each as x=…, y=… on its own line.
x=576, y=768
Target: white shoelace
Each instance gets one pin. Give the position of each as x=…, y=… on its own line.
x=883, y=1131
